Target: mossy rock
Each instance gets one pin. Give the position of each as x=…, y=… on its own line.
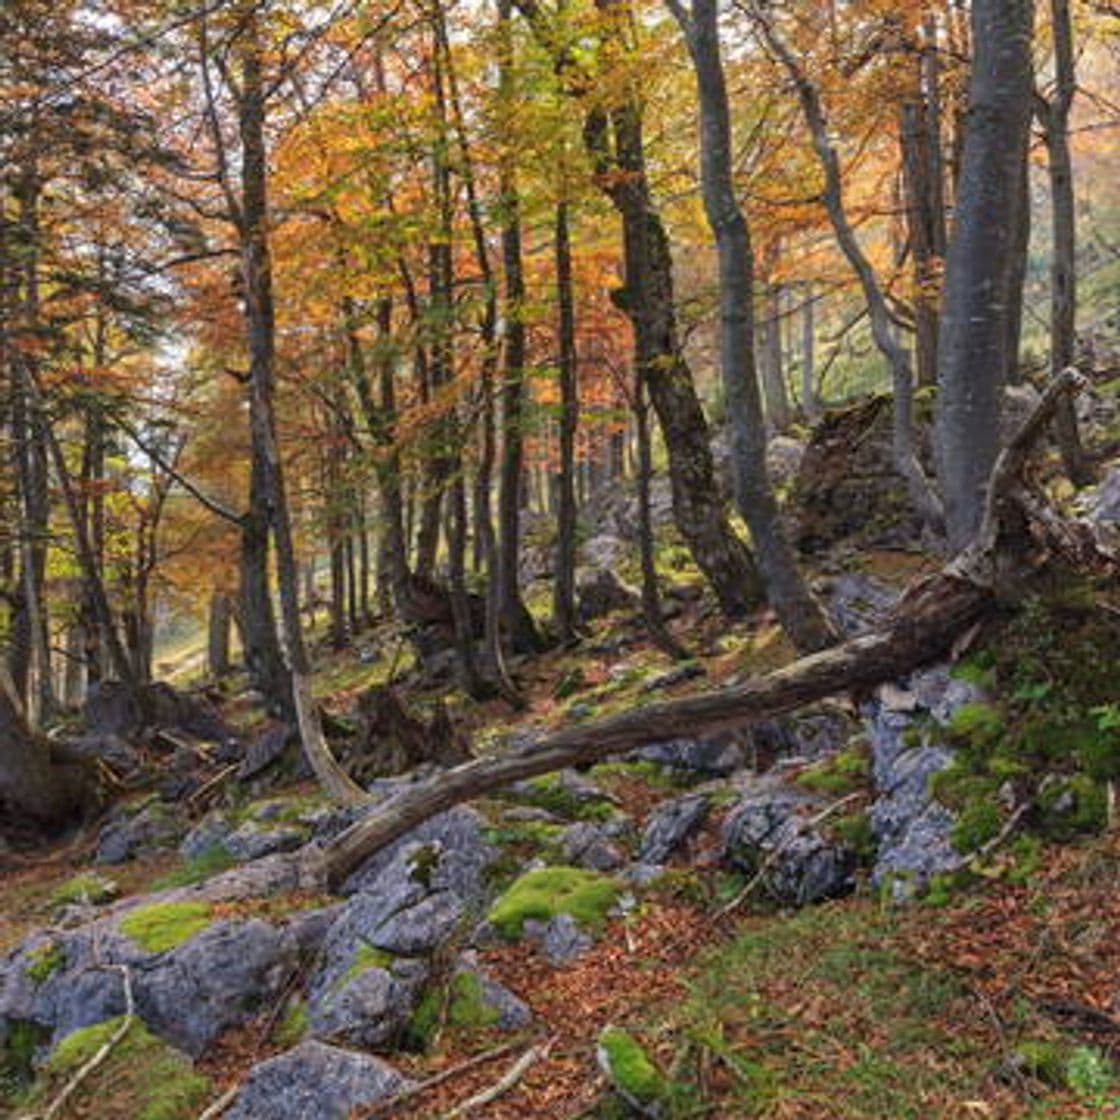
x=632, y=1072
x=367, y=956
x=545, y=892
x=161, y=926
x=143, y=1077
x=88, y=888
x=293, y=1025
x=44, y=960
x=839, y=774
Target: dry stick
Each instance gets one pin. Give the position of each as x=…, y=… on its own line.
x=772, y=858
x=222, y=1103
x=383, y=1108
x=503, y=1085
x=210, y=783
x=71, y=1087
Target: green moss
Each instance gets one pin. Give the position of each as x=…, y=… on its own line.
x=164, y=925
x=425, y=1019
x=1071, y=807
x=976, y=722
x=549, y=792
x=367, y=956
x=548, y=891
x=977, y=823
x=87, y=888
x=1044, y=1060
x=631, y=1068
x=209, y=862
x=468, y=1009
x=142, y=1078
x=44, y=960
x=839, y=774
x=854, y=829
x=293, y=1026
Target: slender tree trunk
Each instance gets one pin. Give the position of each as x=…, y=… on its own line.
x=801, y=615
x=515, y=619
x=651, y=594
x=974, y=325
x=563, y=598
x=1063, y=273
x=906, y=462
x=808, y=357
x=260, y=326
x=613, y=138
x=218, y=634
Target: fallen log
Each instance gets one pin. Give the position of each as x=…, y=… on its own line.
x=1015, y=537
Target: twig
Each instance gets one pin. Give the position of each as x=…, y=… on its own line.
x=222, y=1103
x=72, y=1086
x=996, y=841
x=504, y=1083
x=772, y=858
x=210, y=783
x=383, y=1108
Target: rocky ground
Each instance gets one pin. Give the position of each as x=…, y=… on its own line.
x=897, y=905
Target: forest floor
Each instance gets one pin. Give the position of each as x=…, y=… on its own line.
x=994, y=1000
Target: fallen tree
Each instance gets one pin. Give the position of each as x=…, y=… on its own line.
x=1020, y=534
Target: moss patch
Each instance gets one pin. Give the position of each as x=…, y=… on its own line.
x=839, y=774
x=293, y=1026
x=631, y=1069
x=367, y=956
x=548, y=891
x=44, y=960
x=468, y=1009
x=161, y=926
x=88, y=888
x=143, y=1078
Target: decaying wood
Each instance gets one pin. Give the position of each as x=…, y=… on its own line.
x=923, y=627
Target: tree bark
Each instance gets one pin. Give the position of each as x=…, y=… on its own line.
x=563, y=599
x=260, y=326
x=974, y=334
x=801, y=615
x=218, y=634
x=1054, y=116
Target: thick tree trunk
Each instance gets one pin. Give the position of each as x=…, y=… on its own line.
x=974, y=332
x=801, y=615
x=809, y=403
x=1014, y=537
x=38, y=795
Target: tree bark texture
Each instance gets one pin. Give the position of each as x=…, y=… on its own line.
x=973, y=339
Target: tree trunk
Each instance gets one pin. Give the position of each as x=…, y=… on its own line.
x=515, y=619
x=613, y=138
x=563, y=599
x=1063, y=274
x=260, y=326
x=808, y=357
x=974, y=333
x=906, y=462
x=38, y=795
x=801, y=615
x=651, y=595
x=218, y=634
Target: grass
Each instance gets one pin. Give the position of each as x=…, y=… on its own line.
x=161, y=926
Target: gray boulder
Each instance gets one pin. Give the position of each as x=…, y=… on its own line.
x=670, y=825
x=370, y=1006
x=600, y=592
x=1103, y=504
x=771, y=827
x=314, y=1082
x=911, y=829
x=561, y=938
x=134, y=831
x=588, y=845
